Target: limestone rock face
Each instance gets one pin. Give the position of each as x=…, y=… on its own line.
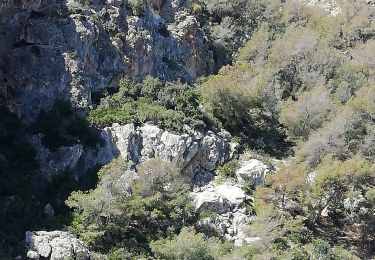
x=254, y=171
x=74, y=49
x=193, y=152
x=52, y=163
x=55, y=245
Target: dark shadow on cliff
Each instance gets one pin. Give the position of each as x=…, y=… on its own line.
x=25, y=192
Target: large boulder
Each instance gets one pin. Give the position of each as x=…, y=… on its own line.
x=218, y=198
x=235, y=195
x=209, y=200
x=55, y=245
x=253, y=171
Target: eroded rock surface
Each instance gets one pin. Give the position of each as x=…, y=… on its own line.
x=253, y=171
x=192, y=152
x=228, y=201
x=55, y=245
x=75, y=49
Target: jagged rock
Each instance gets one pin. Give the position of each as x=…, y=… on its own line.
x=55, y=245
x=355, y=206
x=194, y=152
x=254, y=171
x=73, y=49
x=233, y=194
x=226, y=200
x=209, y=200
x=32, y=255
x=52, y=163
x=230, y=202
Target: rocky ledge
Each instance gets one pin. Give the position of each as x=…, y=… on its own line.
x=194, y=151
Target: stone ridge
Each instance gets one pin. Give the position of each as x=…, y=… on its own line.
x=193, y=152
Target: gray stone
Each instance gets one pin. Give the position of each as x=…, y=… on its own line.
x=52, y=163
x=233, y=194
x=209, y=200
x=72, y=49
x=32, y=255
x=55, y=245
x=253, y=171
x=192, y=153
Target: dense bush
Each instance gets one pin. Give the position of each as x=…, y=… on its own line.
x=245, y=107
x=324, y=199
x=228, y=170
x=137, y=7
x=126, y=213
x=189, y=245
x=168, y=105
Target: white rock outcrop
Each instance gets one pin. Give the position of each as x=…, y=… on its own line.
x=331, y=6
x=193, y=152
x=55, y=245
x=227, y=201
x=253, y=171
x=210, y=200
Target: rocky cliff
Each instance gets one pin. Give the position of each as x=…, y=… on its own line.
x=194, y=152
x=77, y=49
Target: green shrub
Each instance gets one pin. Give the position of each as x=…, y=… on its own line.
x=130, y=212
x=137, y=7
x=168, y=105
x=228, y=170
x=188, y=245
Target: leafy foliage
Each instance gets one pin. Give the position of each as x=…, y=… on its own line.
x=189, y=245
x=125, y=211
x=168, y=105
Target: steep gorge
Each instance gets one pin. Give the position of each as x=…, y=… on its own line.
x=76, y=74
